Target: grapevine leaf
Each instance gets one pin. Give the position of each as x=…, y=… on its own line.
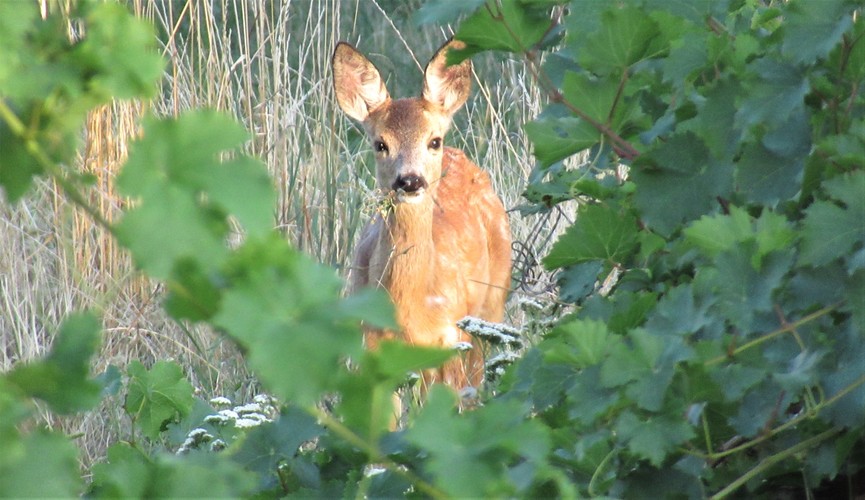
x=652, y=437
x=125, y=474
x=554, y=138
x=61, y=379
x=468, y=454
x=268, y=445
x=812, y=29
x=675, y=183
x=157, y=396
x=625, y=36
x=45, y=466
x=285, y=310
x=829, y=230
x=600, y=233
x=506, y=25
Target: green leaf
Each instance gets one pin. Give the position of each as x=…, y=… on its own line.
x=46, y=466
x=626, y=36
x=600, y=233
x=157, y=396
x=120, y=53
x=201, y=476
x=775, y=91
x=812, y=29
x=126, y=473
x=267, y=446
x=285, y=310
x=593, y=96
x=175, y=169
x=61, y=378
x=766, y=178
x=648, y=365
x=830, y=231
x=555, y=139
x=368, y=393
x=652, y=437
x=505, y=25
x=678, y=182
x=743, y=291
x=470, y=454
x=583, y=343
x=719, y=233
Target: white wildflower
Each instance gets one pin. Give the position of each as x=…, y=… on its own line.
x=494, y=333
x=462, y=346
x=220, y=401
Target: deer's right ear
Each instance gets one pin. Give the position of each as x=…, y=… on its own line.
x=359, y=87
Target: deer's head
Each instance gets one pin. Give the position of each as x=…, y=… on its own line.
x=406, y=134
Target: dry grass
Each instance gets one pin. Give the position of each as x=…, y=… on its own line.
x=267, y=63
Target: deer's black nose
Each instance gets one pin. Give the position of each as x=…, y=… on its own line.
x=409, y=183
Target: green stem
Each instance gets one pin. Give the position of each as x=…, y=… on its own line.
x=373, y=453
x=774, y=459
x=771, y=335
x=598, y=471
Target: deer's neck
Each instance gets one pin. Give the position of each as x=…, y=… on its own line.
x=411, y=263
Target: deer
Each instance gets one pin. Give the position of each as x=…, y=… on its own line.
x=441, y=245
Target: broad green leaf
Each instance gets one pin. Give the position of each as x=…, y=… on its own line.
x=593, y=96
x=367, y=394
x=580, y=342
x=16, y=19
x=267, y=446
x=588, y=399
x=469, y=454
x=600, y=233
x=742, y=291
x=186, y=192
x=647, y=365
x=504, y=25
x=830, y=231
x=62, y=378
x=285, y=310
x=555, y=139
x=679, y=312
x=846, y=380
x=775, y=91
x=120, y=53
x=159, y=238
x=201, y=476
x=678, y=182
x=577, y=281
x=126, y=473
x=812, y=29
x=652, y=437
x=157, y=396
x=46, y=466
x=718, y=233
x=626, y=36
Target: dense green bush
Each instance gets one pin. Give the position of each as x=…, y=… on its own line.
x=727, y=354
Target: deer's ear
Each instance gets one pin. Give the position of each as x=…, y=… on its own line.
x=447, y=86
x=359, y=87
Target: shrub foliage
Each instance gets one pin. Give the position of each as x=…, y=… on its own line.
x=724, y=202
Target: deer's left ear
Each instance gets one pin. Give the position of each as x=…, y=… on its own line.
x=447, y=86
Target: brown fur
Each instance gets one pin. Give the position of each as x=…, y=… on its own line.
x=448, y=255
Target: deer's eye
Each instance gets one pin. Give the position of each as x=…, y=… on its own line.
x=436, y=143
x=380, y=147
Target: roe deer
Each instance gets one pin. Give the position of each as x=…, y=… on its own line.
x=442, y=247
